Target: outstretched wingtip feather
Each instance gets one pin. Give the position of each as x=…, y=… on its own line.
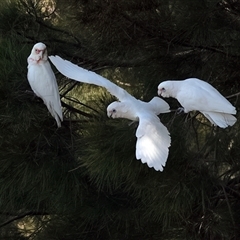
x=80, y=74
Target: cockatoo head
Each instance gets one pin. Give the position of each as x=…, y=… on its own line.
x=39, y=52
x=165, y=89
x=117, y=110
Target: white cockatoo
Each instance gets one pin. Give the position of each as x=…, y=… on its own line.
x=43, y=81
x=153, y=138
x=195, y=94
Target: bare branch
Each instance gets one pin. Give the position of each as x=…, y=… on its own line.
x=76, y=110
x=233, y=95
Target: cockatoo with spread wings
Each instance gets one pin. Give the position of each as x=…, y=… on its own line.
x=43, y=81
x=195, y=94
x=153, y=138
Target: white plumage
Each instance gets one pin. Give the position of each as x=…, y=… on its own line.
x=195, y=94
x=43, y=81
x=153, y=138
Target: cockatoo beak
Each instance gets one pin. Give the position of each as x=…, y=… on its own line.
x=161, y=91
x=40, y=54
x=110, y=113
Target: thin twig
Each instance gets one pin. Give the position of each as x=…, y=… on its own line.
x=228, y=204
x=76, y=110
x=80, y=103
x=233, y=95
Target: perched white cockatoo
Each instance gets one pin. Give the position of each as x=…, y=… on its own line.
x=43, y=81
x=195, y=94
x=153, y=138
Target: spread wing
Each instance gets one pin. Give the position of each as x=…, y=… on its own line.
x=79, y=74
x=43, y=82
x=153, y=141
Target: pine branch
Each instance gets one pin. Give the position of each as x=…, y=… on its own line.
x=40, y=22
x=76, y=110
x=69, y=89
x=33, y=12
x=175, y=40
x=229, y=205
x=31, y=213
x=80, y=103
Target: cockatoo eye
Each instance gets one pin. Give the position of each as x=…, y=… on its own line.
x=114, y=110
x=37, y=51
x=163, y=89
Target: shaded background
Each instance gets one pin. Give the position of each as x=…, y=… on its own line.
x=82, y=181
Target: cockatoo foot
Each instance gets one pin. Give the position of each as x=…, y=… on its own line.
x=180, y=110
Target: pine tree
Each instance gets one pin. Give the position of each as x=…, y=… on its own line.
x=82, y=181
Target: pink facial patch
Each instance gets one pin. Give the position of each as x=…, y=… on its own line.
x=38, y=51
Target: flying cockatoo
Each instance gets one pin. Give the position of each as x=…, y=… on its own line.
x=195, y=94
x=43, y=81
x=153, y=138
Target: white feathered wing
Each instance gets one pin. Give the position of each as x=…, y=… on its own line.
x=79, y=74
x=153, y=142
x=153, y=138
x=216, y=108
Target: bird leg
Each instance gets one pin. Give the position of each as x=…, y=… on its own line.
x=180, y=110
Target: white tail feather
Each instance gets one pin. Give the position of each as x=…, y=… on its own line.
x=55, y=109
x=222, y=120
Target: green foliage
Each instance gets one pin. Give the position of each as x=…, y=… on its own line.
x=82, y=181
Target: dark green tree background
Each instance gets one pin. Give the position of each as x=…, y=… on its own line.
x=82, y=181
